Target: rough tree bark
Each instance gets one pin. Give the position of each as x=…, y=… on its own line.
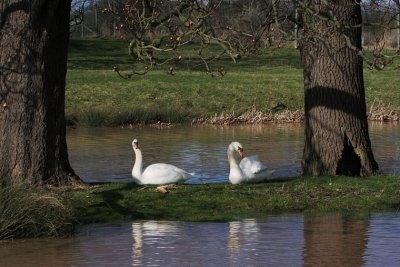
x=336, y=129
x=33, y=43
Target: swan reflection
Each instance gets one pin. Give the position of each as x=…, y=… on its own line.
x=297, y=240
x=240, y=233
x=152, y=234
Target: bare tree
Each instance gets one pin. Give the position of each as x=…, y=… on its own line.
x=160, y=29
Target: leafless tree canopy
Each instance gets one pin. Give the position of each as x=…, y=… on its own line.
x=158, y=29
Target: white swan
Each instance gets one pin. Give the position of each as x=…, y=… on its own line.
x=159, y=173
x=250, y=169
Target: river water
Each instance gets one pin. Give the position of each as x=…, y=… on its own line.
x=106, y=155
x=292, y=240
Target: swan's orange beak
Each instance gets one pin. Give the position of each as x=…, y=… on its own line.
x=240, y=151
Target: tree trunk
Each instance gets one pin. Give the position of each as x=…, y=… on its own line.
x=336, y=128
x=33, y=43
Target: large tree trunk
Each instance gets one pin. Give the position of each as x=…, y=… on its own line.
x=336, y=128
x=33, y=43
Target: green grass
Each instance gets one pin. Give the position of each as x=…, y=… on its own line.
x=54, y=211
x=97, y=96
x=224, y=202
x=92, y=88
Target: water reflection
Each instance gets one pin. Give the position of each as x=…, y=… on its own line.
x=161, y=235
x=334, y=241
x=383, y=240
x=385, y=138
x=241, y=243
x=275, y=241
x=239, y=232
x=105, y=154
x=295, y=240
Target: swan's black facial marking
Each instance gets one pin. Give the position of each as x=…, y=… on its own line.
x=135, y=144
x=240, y=151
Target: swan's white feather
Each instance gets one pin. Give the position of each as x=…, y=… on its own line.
x=162, y=173
x=159, y=173
x=250, y=169
x=252, y=164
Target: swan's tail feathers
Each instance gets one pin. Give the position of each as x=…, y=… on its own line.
x=186, y=176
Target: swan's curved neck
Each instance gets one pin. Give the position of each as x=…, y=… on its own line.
x=231, y=157
x=235, y=173
x=138, y=166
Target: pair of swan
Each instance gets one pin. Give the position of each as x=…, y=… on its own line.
x=250, y=169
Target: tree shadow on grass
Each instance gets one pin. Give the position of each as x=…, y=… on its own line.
x=103, y=54
x=111, y=207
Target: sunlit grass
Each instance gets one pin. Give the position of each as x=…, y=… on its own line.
x=194, y=93
x=222, y=202
x=263, y=81
x=55, y=211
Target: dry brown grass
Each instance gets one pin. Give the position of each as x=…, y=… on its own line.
x=33, y=213
x=380, y=112
x=377, y=112
x=252, y=116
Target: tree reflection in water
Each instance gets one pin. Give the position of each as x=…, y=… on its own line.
x=331, y=240
x=290, y=240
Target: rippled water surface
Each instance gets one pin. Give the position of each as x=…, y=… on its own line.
x=294, y=240
x=105, y=154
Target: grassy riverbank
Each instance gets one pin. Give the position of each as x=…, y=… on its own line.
x=223, y=202
x=53, y=211
x=96, y=95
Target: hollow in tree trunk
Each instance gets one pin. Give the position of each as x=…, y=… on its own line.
x=336, y=129
x=33, y=43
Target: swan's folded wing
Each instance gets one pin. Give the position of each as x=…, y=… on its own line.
x=252, y=164
x=161, y=173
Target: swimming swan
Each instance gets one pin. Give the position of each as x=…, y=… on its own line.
x=159, y=173
x=250, y=169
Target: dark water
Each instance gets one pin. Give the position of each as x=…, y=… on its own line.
x=295, y=240
x=105, y=154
